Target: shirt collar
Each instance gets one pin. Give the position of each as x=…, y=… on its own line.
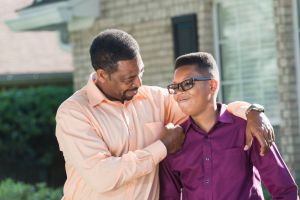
x=223, y=117
x=96, y=96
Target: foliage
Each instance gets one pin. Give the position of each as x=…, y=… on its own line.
x=27, y=131
x=266, y=193
x=10, y=189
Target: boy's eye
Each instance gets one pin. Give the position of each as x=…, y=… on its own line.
x=186, y=83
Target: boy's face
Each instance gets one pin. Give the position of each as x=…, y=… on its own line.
x=198, y=98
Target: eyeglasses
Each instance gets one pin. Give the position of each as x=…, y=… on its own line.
x=184, y=85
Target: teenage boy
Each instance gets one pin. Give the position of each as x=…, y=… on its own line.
x=212, y=164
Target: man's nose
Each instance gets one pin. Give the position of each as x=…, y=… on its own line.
x=137, y=81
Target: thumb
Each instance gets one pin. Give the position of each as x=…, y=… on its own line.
x=249, y=139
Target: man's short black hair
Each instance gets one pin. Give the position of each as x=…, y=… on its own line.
x=111, y=46
x=205, y=62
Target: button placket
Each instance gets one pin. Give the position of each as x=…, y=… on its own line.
x=207, y=160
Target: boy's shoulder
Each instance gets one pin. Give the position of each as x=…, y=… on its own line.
x=226, y=112
x=185, y=124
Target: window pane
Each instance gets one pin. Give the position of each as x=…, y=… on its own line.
x=248, y=53
x=185, y=34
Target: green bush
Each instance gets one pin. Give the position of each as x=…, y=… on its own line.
x=12, y=190
x=27, y=132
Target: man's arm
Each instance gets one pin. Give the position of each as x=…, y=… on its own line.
x=258, y=125
x=274, y=173
x=170, y=185
x=84, y=148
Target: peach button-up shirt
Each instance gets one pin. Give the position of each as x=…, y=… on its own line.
x=112, y=150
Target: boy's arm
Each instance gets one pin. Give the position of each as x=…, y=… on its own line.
x=170, y=185
x=258, y=125
x=274, y=173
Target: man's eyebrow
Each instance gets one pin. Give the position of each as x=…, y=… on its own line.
x=133, y=76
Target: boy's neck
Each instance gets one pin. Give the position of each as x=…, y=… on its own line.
x=207, y=119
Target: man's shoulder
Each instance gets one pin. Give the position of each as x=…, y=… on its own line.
x=79, y=97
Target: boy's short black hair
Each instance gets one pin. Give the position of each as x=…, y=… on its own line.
x=204, y=61
x=111, y=46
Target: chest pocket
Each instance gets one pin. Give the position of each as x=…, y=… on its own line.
x=152, y=132
x=232, y=160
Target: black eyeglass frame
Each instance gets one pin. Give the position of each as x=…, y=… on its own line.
x=185, y=85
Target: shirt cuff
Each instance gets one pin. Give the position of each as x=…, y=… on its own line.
x=158, y=151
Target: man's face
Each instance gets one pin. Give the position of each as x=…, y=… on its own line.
x=195, y=100
x=122, y=85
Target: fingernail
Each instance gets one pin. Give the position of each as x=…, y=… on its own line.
x=246, y=147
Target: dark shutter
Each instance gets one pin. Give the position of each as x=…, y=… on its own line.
x=185, y=34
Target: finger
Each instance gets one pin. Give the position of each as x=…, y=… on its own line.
x=270, y=137
x=262, y=142
x=264, y=148
x=273, y=133
x=270, y=140
x=267, y=136
x=249, y=139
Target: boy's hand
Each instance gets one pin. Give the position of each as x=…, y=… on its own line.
x=259, y=126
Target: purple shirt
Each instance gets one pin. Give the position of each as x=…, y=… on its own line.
x=214, y=166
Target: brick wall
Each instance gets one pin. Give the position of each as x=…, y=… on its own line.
x=150, y=24
x=289, y=128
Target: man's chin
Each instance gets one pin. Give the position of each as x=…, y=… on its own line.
x=128, y=98
x=130, y=94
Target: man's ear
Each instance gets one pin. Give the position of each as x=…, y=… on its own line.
x=102, y=75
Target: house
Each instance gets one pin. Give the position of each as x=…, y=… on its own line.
x=256, y=44
x=31, y=57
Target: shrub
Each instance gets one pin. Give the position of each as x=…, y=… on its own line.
x=28, y=147
x=10, y=189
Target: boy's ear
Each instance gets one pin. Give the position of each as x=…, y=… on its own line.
x=102, y=75
x=214, y=85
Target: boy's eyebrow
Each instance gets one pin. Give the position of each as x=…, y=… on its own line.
x=186, y=78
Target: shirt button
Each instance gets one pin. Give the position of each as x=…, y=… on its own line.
x=207, y=158
x=206, y=181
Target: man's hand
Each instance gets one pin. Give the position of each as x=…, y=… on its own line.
x=172, y=137
x=259, y=126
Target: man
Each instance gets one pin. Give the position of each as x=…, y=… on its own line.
x=111, y=131
x=212, y=165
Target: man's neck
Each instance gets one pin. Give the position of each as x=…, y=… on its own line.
x=108, y=96
x=207, y=119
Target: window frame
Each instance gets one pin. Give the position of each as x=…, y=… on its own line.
x=296, y=21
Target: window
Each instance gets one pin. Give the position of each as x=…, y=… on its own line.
x=185, y=34
x=296, y=20
x=246, y=53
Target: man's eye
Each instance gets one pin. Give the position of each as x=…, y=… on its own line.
x=128, y=81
